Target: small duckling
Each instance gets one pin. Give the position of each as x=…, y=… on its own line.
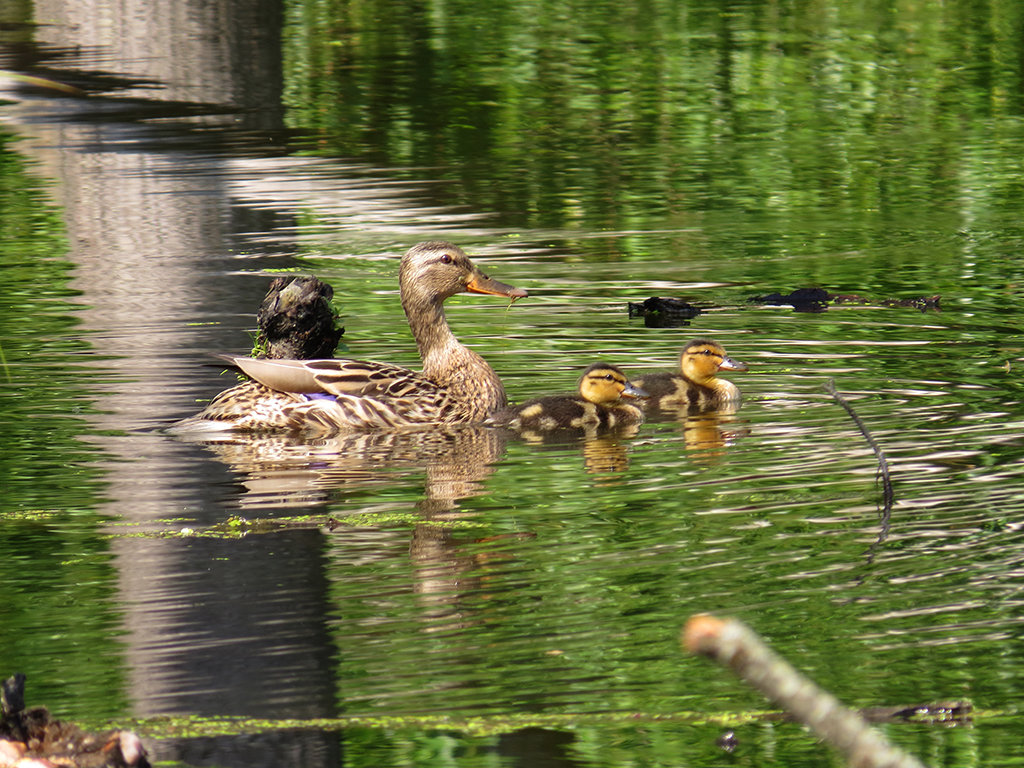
x=599, y=404
x=695, y=384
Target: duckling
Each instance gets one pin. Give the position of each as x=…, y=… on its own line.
x=599, y=404
x=696, y=383
x=456, y=386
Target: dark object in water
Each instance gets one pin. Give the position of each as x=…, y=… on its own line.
x=32, y=735
x=728, y=741
x=659, y=312
x=802, y=299
x=920, y=302
x=296, y=321
x=818, y=299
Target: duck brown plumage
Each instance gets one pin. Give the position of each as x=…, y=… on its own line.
x=456, y=385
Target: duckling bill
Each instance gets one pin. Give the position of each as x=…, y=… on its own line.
x=696, y=383
x=602, y=402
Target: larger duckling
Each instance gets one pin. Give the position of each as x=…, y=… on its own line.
x=696, y=384
x=456, y=385
x=602, y=402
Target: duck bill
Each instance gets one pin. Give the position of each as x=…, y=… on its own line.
x=728, y=364
x=481, y=283
x=634, y=391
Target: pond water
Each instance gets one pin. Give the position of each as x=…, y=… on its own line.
x=470, y=598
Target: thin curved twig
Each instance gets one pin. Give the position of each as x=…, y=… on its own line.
x=888, y=497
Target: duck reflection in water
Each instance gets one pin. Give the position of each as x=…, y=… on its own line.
x=450, y=562
x=290, y=469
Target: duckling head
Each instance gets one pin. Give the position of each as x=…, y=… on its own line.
x=435, y=270
x=702, y=359
x=605, y=384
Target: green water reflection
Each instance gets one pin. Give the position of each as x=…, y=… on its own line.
x=57, y=611
x=622, y=115
x=867, y=149
x=709, y=151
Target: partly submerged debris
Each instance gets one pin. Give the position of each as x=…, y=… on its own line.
x=31, y=738
x=819, y=299
x=296, y=319
x=661, y=312
x=736, y=647
x=668, y=312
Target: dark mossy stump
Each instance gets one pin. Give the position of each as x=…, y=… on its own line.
x=31, y=737
x=296, y=320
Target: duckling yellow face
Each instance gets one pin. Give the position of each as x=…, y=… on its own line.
x=702, y=359
x=441, y=269
x=604, y=384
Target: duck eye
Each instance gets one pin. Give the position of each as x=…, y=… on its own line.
x=446, y=258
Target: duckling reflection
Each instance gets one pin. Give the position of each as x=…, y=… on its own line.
x=707, y=434
x=696, y=384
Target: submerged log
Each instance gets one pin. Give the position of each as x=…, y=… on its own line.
x=31, y=738
x=819, y=299
x=296, y=320
x=668, y=312
x=802, y=299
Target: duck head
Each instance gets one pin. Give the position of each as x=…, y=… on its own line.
x=702, y=359
x=435, y=270
x=604, y=384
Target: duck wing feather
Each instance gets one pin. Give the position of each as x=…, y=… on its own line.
x=360, y=378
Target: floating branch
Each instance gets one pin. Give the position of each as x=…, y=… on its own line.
x=732, y=644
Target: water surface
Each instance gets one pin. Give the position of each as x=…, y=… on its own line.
x=594, y=157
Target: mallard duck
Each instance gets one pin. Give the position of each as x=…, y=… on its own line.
x=455, y=386
x=696, y=382
x=600, y=403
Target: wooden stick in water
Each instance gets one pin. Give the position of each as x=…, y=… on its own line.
x=734, y=645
